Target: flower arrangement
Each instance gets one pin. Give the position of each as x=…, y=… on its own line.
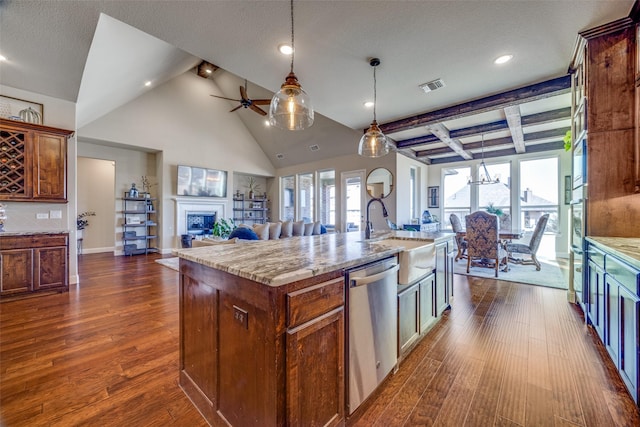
x=493, y=210
x=252, y=185
x=82, y=222
x=146, y=184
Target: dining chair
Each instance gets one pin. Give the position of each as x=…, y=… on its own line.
x=461, y=242
x=483, y=241
x=531, y=248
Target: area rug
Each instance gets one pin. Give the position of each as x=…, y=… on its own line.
x=172, y=263
x=550, y=274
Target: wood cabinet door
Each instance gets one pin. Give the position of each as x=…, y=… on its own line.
x=15, y=164
x=408, y=318
x=427, y=309
x=50, y=268
x=315, y=371
x=50, y=167
x=629, y=340
x=441, y=295
x=17, y=271
x=595, y=301
x=612, y=318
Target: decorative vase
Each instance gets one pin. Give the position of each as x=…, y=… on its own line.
x=251, y=194
x=30, y=115
x=79, y=234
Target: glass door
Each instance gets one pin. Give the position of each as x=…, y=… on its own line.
x=353, y=197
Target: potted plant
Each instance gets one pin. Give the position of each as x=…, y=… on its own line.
x=493, y=210
x=252, y=185
x=222, y=228
x=146, y=186
x=82, y=222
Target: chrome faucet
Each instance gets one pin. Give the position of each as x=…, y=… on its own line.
x=369, y=227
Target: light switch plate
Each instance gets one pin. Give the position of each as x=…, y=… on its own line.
x=42, y=216
x=55, y=214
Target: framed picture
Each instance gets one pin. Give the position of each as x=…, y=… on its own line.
x=10, y=107
x=567, y=189
x=434, y=197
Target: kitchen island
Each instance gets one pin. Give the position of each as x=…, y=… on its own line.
x=262, y=326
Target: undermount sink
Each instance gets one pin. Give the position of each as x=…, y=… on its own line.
x=417, y=259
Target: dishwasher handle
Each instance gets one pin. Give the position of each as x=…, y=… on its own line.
x=360, y=281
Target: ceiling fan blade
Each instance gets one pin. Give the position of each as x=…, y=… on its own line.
x=239, y=106
x=243, y=93
x=261, y=101
x=258, y=110
x=224, y=97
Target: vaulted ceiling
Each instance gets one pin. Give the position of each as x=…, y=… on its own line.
x=54, y=48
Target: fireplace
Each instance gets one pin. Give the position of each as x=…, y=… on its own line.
x=204, y=213
x=199, y=223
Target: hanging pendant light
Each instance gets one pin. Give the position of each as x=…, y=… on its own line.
x=482, y=168
x=373, y=143
x=291, y=107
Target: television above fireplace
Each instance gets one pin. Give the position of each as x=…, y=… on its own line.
x=201, y=182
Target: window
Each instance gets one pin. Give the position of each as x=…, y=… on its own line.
x=498, y=195
x=539, y=193
x=413, y=192
x=457, y=195
x=327, y=198
x=287, y=208
x=306, y=197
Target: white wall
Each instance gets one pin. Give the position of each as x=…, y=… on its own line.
x=61, y=114
x=181, y=122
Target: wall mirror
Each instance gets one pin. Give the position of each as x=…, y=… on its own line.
x=379, y=183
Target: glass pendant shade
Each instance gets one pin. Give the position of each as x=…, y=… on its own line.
x=373, y=143
x=291, y=107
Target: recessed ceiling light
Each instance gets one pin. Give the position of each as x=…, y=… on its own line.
x=368, y=104
x=3, y=58
x=285, y=49
x=147, y=83
x=503, y=59
x=266, y=123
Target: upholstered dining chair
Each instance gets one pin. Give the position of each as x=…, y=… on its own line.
x=483, y=241
x=531, y=248
x=461, y=242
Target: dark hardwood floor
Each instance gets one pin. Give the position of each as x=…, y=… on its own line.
x=106, y=354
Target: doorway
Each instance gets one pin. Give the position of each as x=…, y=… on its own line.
x=353, y=197
x=96, y=194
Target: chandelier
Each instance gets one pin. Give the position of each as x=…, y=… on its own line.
x=484, y=176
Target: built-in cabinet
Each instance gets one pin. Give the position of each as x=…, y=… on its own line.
x=613, y=309
x=139, y=225
x=33, y=263
x=33, y=162
x=250, y=211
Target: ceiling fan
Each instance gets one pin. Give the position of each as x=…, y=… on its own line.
x=246, y=102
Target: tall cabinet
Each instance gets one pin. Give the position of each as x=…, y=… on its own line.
x=33, y=162
x=139, y=225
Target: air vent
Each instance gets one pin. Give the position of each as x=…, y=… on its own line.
x=280, y=156
x=314, y=147
x=432, y=85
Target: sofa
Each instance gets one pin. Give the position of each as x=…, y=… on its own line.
x=267, y=231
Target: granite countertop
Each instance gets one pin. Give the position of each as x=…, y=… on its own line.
x=627, y=248
x=30, y=233
x=278, y=262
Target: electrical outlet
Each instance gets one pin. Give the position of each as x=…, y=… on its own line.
x=42, y=216
x=55, y=214
x=241, y=316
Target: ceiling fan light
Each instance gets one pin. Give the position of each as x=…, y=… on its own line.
x=290, y=107
x=373, y=143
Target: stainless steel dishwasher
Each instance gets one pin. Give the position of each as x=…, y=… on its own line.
x=373, y=327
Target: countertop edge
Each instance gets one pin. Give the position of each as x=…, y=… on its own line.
x=626, y=248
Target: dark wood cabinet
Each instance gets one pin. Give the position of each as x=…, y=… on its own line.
x=33, y=162
x=408, y=318
x=253, y=354
x=33, y=263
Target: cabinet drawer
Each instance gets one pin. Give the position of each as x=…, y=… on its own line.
x=625, y=274
x=596, y=255
x=34, y=241
x=309, y=303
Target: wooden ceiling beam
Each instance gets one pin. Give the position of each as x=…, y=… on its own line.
x=512, y=113
x=551, y=146
x=532, y=119
x=529, y=93
x=442, y=132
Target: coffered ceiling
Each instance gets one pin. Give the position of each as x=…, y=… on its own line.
x=54, y=48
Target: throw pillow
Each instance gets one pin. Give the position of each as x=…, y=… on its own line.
x=275, y=228
x=323, y=229
x=262, y=230
x=298, y=228
x=316, y=228
x=287, y=229
x=244, y=234
x=308, y=229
